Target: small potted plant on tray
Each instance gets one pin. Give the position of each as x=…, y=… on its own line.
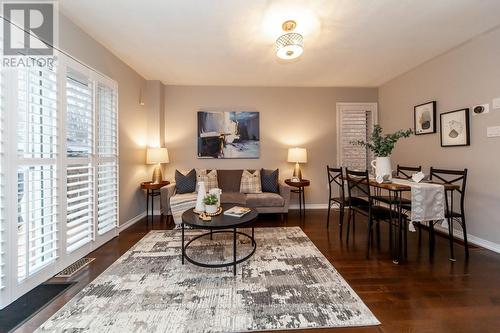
x=382, y=146
x=210, y=202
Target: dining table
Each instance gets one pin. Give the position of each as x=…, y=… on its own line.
x=397, y=188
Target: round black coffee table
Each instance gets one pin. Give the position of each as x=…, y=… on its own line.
x=219, y=224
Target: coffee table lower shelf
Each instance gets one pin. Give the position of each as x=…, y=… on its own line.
x=225, y=264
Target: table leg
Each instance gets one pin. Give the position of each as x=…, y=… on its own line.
x=152, y=208
x=234, y=251
x=253, y=237
x=211, y=234
x=400, y=220
x=304, y=200
x=182, y=243
x=147, y=206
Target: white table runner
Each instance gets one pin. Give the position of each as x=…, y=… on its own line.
x=427, y=200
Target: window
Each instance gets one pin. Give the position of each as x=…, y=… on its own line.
x=59, y=164
x=79, y=169
x=107, y=174
x=354, y=122
x=36, y=171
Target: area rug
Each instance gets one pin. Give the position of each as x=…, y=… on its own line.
x=287, y=284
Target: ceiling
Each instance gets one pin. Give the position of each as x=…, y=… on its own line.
x=231, y=42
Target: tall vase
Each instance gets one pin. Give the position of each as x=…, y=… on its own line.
x=202, y=192
x=382, y=166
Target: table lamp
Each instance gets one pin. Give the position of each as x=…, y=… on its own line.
x=297, y=155
x=157, y=156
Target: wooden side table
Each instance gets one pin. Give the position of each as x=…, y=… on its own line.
x=300, y=185
x=152, y=190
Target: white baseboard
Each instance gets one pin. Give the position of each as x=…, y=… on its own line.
x=131, y=222
x=472, y=239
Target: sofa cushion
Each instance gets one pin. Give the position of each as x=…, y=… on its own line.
x=233, y=198
x=269, y=180
x=250, y=182
x=209, y=177
x=265, y=199
x=229, y=180
x=185, y=182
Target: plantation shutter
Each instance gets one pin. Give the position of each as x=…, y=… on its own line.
x=107, y=169
x=354, y=125
x=2, y=187
x=37, y=183
x=79, y=170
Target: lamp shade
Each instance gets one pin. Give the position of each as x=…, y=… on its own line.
x=297, y=155
x=156, y=155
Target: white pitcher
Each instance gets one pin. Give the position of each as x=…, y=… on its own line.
x=382, y=166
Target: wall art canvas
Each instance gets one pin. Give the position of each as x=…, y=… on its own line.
x=455, y=128
x=425, y=118
x=228, y=134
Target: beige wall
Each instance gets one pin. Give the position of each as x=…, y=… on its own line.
x=461, y=78
x=289, y=117
x=133, y=118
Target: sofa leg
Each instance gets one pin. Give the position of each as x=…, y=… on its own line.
x=282, y=217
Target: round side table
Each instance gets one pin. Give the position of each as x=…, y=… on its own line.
x=300, y=186
x=152, y=190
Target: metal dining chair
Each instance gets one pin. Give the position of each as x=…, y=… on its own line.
x=362, y=202
x=336, y=179
x=454, y=177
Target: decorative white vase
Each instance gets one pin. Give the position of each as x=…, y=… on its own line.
x=202, y=192
x=382, y=166
x=211, y=209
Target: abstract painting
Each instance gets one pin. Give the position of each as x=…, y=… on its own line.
x=228, y=134
x=455, y=128
x=425, y=118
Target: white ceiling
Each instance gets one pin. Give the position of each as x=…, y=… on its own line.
x=231, y=42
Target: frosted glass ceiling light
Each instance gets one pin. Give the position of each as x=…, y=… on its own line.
x=290, y=45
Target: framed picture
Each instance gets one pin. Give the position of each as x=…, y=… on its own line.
x=425, y=118
x=228, y=134
x=455, y=128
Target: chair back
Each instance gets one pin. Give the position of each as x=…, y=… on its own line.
x=358, y=184
x=335, y=176
x=453, y=177
x=407, y=171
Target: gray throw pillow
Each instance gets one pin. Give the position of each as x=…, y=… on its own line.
x=269, y=179
x=185, y=183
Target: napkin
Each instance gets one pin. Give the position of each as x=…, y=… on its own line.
x=418, y=177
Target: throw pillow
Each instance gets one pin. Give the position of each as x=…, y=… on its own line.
x=207, y=176
x=269, y=179
x=250, y=182
x=185, y=183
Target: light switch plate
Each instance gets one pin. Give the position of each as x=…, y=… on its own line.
x=493, y=131
x=496, y=103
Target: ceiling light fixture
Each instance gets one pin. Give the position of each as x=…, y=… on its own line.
x=290, y=45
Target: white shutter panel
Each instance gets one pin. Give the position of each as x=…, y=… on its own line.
x=79, y=170
x=354, y=125
x=2, y=186
x=36, y=173
x=107, y=169
x=79, y=115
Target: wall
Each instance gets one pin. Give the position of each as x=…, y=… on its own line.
x=289, y=117
x=463, y=77
x=133, y=118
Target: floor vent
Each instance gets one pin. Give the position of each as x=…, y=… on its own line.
x=74, y=268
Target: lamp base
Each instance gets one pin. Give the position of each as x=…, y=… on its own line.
x=296, y=171
x=157, y=175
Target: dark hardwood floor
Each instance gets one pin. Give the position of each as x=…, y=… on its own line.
x=420, y=295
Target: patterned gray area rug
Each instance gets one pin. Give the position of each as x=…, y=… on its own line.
x=287, y=284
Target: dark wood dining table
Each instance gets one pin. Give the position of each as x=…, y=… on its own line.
x=396, y=193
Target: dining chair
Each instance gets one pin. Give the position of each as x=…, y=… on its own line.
x=336, y=179
x=454, y=177
x=361, y=202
